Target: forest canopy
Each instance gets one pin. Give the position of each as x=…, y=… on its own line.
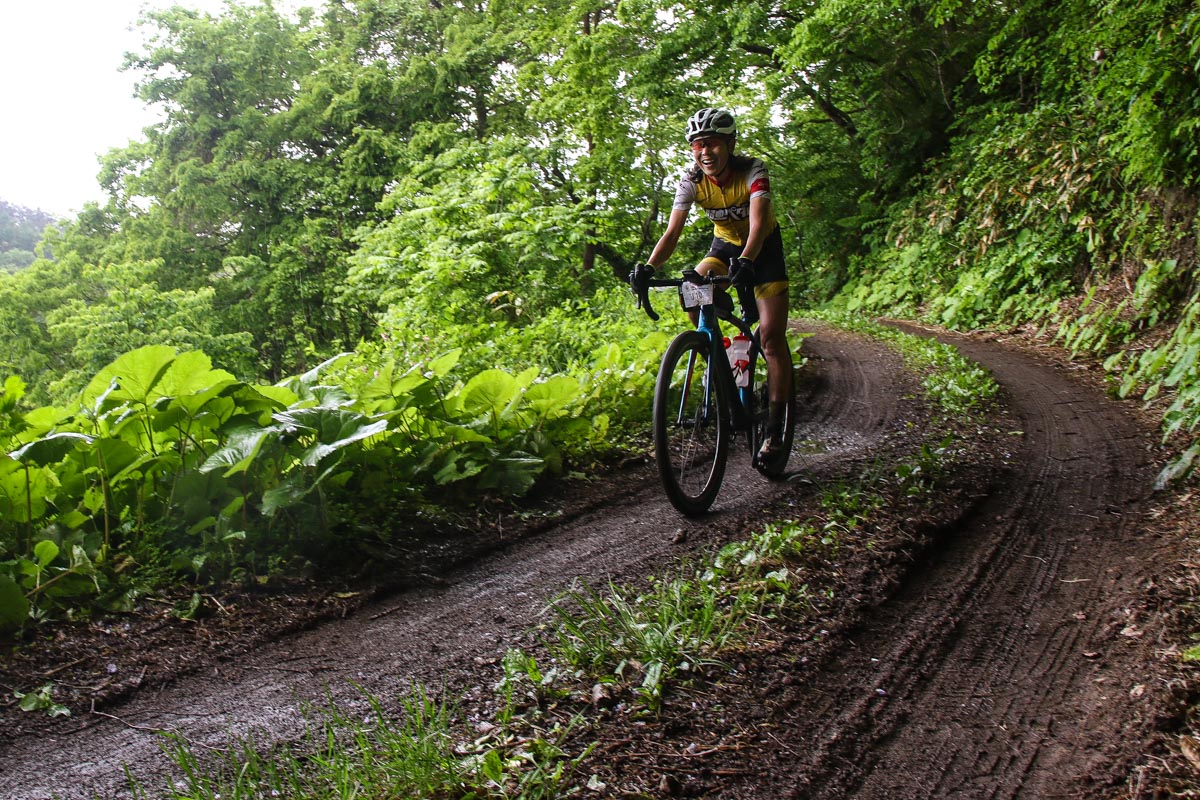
x=317, y=176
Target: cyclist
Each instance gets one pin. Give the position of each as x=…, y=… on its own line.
x=735, y=193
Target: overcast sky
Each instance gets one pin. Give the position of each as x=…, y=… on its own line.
x=63, y=99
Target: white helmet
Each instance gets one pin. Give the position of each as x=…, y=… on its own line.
x=709, y=121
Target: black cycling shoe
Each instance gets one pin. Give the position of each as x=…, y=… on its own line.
x=772, y=448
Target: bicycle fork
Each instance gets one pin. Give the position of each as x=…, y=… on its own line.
x=740, y=418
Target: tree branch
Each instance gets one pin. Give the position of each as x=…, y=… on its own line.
x=824, y=104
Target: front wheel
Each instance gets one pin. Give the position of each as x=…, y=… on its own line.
x=691, y=425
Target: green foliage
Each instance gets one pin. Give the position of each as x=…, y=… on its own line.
x=1068, y=198
x=970, y=249
x=41, y=700
x=477, y=234
x=677, y=624
x=165, y=451
x=69, y=320
x=1132, y=65
x=423, y=751
x=1169, y=366
x=954, y=383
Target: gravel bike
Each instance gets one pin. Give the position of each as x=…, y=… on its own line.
x=704, y=398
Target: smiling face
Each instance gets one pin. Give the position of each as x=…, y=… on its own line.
x=712, y=154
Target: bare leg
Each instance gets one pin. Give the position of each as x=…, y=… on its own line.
x=772, y=330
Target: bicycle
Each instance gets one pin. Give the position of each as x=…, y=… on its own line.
x=703, y=399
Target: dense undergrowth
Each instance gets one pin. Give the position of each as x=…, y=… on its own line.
x=1074, y=215
x=169, y=468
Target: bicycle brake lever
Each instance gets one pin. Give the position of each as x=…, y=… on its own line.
x=643, y=302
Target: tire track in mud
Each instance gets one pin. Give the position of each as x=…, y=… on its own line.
x=437, y=635
x=993, y=671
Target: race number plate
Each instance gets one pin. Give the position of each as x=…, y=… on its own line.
x=694, y=295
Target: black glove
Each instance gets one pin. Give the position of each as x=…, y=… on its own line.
x=691, y=276
x=741, y=272
x=639, y=277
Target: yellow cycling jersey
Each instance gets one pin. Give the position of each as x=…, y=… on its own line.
x=728, y=206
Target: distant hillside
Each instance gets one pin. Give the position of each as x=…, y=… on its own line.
x=20, y=230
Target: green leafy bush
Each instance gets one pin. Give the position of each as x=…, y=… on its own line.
x=167, y=456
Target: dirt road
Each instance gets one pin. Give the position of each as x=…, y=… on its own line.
x=1004, y=659
x=1007, y=664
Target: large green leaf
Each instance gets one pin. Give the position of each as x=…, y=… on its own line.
x=243, y=447
x=442, y=365
x=188, y=388
x=46, y=419
x=14, y=608
x=11, y=421
x=45, y=552
x=333, y=429
x=25, y=492
x=304, y=385
x=206, y=411
x=115, y=454
x=292, y=490
x=287, y=493
x=145, y=464
x=353, y=432
x=488, y=394
x=199, y=495
x=136, y=375
x=389, y=392
x=376, y=395
x=552, y=397
x=265, y=397
x=459, y=467
x=49, y=449
x=512, y=475
x=192, y=373
x=13, y=390
x=330, y=397
x=11, y=475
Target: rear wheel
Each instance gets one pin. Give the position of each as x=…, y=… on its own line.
x=774, y=467
x=691, y=425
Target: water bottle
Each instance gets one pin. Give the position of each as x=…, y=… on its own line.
x=739, y=359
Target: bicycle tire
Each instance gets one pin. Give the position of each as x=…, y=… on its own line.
x=691, y=425
x=776, y=467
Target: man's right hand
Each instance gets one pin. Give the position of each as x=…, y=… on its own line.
x=639, y=277
x=741, y=273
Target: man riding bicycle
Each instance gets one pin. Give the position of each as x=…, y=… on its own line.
x=735, y=193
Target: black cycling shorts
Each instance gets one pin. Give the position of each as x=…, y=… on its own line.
x=770, y=273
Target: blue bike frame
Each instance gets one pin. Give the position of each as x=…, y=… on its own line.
x=708, y=324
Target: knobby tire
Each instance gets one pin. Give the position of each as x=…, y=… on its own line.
x=691, y=425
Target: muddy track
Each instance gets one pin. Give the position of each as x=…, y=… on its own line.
x=987, y=674
x=1007, y=663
